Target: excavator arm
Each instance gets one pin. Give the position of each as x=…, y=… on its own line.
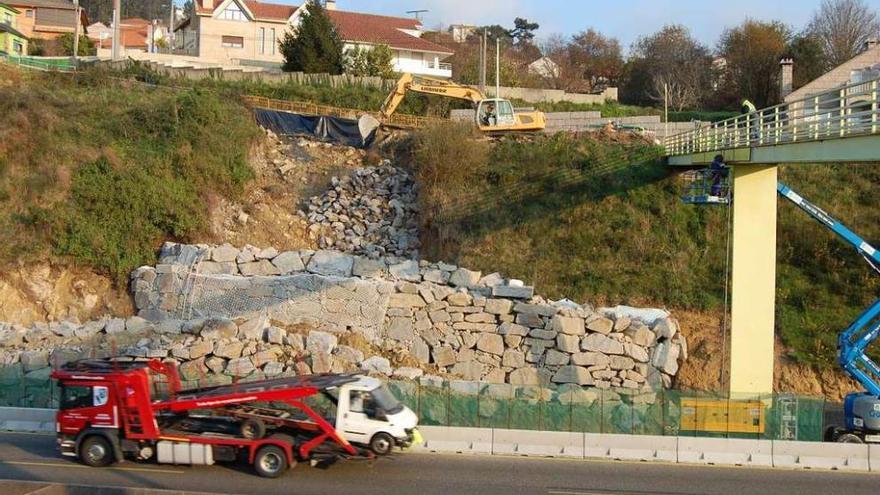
x=854, y=341
x=427, y=85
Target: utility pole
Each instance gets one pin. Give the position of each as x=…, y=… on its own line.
x=497, y=67
x=117, y=7
x=483, y=62
x=666, y=110
x=76, y=23
x=170, y=36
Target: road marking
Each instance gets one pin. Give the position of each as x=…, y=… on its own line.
x=77, y=466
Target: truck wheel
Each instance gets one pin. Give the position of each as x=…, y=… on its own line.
x=849, y=438
x=270, y=461
x=96, y=451
x=252, y=429
x=381, y=444
x=281, y=437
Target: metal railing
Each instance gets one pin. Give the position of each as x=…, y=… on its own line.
x=848, y=111
x=44, y=64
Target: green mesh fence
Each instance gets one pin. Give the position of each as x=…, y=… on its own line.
x=549, y=408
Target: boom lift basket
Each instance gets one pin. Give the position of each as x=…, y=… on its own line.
x=699, y=187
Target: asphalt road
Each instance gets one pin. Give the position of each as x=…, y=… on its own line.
x=33, y=457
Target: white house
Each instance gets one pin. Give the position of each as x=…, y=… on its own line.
x=544, y=67
x=248, y=31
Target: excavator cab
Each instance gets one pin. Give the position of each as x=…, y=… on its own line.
x=494, y=112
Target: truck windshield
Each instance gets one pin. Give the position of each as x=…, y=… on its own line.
x=383, y=398
x=75, y=396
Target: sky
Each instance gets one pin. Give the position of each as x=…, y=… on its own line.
x=625, y=20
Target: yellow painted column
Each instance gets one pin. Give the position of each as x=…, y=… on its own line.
x=753, y=284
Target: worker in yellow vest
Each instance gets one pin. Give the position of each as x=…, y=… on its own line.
x=752, y=119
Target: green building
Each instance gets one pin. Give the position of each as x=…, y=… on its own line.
x=12, y=42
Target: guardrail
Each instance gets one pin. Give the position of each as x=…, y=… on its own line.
x=396, y=120
x=44, y=64
x=844, y=112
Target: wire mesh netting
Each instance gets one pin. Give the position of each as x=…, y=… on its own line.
x=567, y=408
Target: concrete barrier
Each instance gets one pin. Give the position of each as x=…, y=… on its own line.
x=27, y=419
x=457, y=440
x=874, y=458
x=630, y=447
x=538, y=443
x=843, y=456
x=725, y=451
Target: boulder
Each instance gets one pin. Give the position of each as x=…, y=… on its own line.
x=401, y=330
x=377, y=364
x=321, y=362
x=600, y=343
x=200, y=348
x=666, y=357
x=513, y=359
x=469, y=370
x=367, y=268
x=556, y=358
x=666, y=328
x=568, y=325
x=260, y=268
x=318, y=341
x=601, y=325
x=513, y=292
x=228, y=349
x=491, y=343
x=573, y=374
x=288, y=262
x=464, y=278
x=331, y=264
x=224, y=253
x=636, y=352
x=524, y=376
x=218, y=328
x=444, y=356
x=254, y=328
x=498, y=306
x=407, y=270
x=589, y=359
x=460, y=299
x=407, y=373
x=568, y=343
x=240, y=367
x=622, y=363
x=348, y=354
x=401, y=300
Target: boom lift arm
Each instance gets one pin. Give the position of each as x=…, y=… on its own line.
x=428, y=85
x=853, y=342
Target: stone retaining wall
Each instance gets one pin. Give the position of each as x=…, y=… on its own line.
x=443, y=318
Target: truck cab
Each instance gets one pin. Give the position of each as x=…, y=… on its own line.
x=368, y=414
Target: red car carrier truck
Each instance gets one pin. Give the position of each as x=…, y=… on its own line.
x=111, y=411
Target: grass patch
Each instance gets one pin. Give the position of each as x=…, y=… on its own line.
x=102, y=172
x=596, y=220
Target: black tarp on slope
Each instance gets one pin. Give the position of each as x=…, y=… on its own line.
x=333, y=129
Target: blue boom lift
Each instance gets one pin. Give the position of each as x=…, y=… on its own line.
x=861, y=409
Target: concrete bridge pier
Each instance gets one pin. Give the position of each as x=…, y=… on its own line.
x=753, y=280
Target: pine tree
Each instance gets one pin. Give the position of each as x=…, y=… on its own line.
x=314, y=46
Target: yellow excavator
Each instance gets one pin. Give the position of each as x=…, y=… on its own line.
x=493, y=115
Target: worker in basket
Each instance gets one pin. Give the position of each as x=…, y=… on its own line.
x=718, y=173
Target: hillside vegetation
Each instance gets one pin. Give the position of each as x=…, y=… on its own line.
x=101, y=172
x=598, y=218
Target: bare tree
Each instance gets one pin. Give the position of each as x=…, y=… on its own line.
x=843, y=27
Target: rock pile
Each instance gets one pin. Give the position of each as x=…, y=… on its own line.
x=370, y=212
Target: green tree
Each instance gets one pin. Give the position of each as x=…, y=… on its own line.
x=314, y=46
x=809, y=59
x=86, y=46
x=375, y=61
x=523, y=31
x=752, y=52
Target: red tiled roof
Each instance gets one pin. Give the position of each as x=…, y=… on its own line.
x=261, y=10
x=352, y=26
x=380, y=29
x=134, y=21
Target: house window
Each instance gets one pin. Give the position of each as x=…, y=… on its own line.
x=29, y=13
x=233, y=13
x=262, y=40
x=17, y=47
x=8, y=18
x=272, y=40
x=233, y=41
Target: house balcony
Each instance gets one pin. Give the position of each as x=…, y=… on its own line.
x=424, y=67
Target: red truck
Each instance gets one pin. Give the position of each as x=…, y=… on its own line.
x=111, y=410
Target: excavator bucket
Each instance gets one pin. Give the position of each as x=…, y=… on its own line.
x=367, y=124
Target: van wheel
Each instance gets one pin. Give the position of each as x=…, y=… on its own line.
x=252, y=429
x=96, y=451
x=849, y=438
x=270, y=461
x=381, y=444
